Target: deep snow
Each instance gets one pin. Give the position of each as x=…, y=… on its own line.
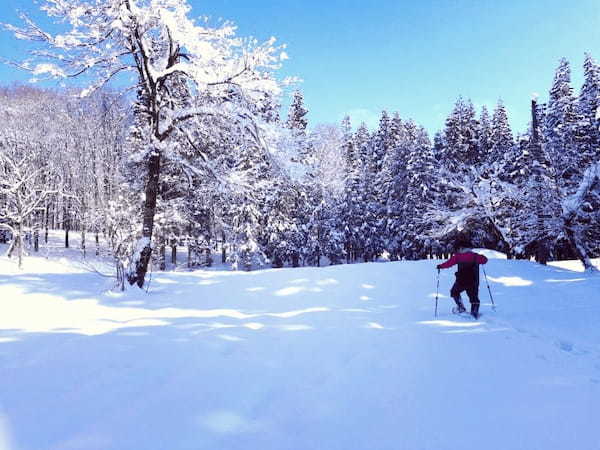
x=347, y=357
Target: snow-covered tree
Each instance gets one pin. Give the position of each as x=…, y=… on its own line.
x=175, y=60
x=296, y=116
x=29, y=178
x=501, y=137
x=588, y=104
x=559, y=127
x=484, y=135
x=460, y=136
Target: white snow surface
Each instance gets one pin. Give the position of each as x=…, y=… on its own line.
x=344, y=357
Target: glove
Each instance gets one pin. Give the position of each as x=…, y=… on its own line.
x=438, y=267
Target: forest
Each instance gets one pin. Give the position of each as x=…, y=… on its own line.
x=179, y=140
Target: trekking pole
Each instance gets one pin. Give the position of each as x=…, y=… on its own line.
x=437, y=290
x=489, y=290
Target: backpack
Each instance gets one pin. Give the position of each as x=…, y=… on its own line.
x=468, y=273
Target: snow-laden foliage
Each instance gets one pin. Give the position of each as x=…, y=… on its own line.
x=195, y=152
x=182, y=70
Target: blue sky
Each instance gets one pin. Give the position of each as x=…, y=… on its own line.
x=415, y=57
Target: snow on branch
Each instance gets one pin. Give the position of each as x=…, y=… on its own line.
x=157, y=39
x=571, y=205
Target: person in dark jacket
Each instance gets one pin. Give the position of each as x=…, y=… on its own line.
x=467, y=276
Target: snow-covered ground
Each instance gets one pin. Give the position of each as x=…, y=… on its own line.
x=347, y=357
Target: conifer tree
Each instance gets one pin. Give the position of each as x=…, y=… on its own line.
x=461, y=146
x=421, y=187
x=296, y=116
x=501, y=138
x=484, y=135
x=588, y=105
x=559, y=128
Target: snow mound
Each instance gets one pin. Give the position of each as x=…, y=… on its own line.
x=344, y=357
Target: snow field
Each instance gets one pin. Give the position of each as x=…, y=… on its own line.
x=344, y=357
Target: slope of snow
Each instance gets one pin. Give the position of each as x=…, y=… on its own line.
x=344, y=357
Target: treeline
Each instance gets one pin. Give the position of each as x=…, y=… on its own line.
x=324, y=195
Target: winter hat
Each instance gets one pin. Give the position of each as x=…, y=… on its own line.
x=462, y=243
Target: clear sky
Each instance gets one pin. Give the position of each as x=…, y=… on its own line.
x=415, y=57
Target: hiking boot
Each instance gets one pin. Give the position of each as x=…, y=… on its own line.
x=475, y=310
x=459, y=305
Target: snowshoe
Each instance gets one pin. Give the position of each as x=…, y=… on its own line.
x=458, y=309
x=464, y=313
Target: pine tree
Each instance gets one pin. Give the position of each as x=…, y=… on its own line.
x=396, y=177
x=364, y=227
x=382, y=178
x=501, y=138
x=420, y=188
x=484, y=136
x=461, y=137
x=559, y=128
x=296, y=116
x=588, y=105
x=542, y=207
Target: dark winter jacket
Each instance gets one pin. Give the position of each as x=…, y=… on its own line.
x=468, y=267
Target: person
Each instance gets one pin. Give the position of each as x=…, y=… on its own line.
x=467, y=276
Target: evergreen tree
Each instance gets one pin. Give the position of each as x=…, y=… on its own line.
x=296, y=116
x=396, y=170
x=484, y=135
x=538, y=219
x=461, y=141
x=501, y=138
x=421, y=187
x=588, y=104
x=559, y=128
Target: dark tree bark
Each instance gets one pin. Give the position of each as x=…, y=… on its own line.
x=223, y=250
x=162, y=257
x=46, y=220
x=67, y=221
x=208, y=257
x=152, y=186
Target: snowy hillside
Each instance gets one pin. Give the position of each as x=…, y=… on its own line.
x=344, y=357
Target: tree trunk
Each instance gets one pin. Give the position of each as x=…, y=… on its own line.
x=541, y=252
x=120, y=274
x=223, y=250
x=174, y=253
x=83, y=238
x=163, y=262
x=209, y=260
x=277, y=262
x=17, y=244
x=138, y=274
x=579, y=249
x=20, y=244
x=46, y=221
x=67, y=221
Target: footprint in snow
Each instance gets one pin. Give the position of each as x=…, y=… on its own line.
x=565, y=346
